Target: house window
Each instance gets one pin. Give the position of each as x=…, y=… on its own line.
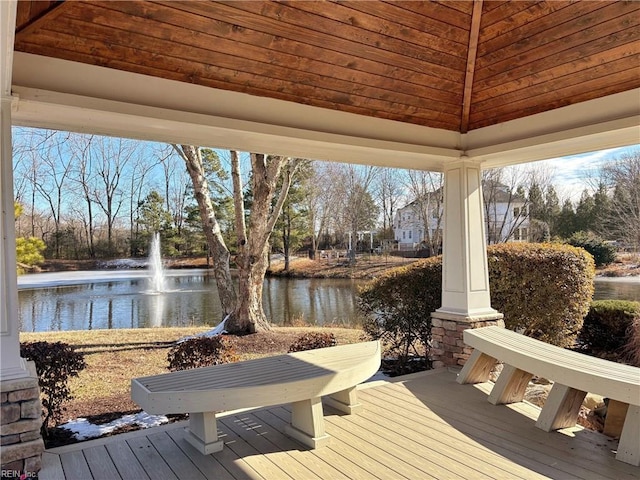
x=409, y=234
x=516, y=211
x=404, y=235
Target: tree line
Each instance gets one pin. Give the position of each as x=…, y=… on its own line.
x=90, y=197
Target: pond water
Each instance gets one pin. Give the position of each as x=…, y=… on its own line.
x=105, y=300
x=124, y=299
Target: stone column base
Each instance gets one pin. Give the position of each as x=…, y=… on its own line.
x=22, y=444
x=447, y=345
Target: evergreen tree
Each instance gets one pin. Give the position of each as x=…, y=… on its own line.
x=584, y=213
x=566, y=224
x=551, y=209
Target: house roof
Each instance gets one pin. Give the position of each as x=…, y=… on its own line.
x=458, y=77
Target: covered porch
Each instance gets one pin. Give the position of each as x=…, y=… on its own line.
x=409, y=429
x=454, y=87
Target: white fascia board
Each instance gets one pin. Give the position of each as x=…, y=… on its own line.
x=603, y=123
x=71, y=96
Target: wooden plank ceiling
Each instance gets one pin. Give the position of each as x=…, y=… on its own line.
x=455, y=65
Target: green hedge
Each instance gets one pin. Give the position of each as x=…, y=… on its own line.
x=610, y=330
x=543, y=290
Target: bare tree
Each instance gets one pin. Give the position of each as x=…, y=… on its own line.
x=253, y=239
x=113, y=157
x=358, y=210
x=57, y=166
x=390, y=192
x=243, y=312
x=506, y=205
x=622, y=176
x=192, y=157
x=427, y=188
x=80, y=146
x=320, y=201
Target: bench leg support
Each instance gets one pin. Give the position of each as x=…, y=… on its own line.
x=307, y=423
x=629, y=445
x=477, y=369
x=510, y=386
x=561, y=408
x=202, y=433
x=346, y=401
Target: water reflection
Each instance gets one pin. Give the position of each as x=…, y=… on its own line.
x=191, y=299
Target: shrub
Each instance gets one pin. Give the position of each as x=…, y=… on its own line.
x=543, y=289
x=55, y=363
x=631, y=350
x=397, y=307
x=610, y=330
x=201, y=352
x=313, y=340
x=603, y=253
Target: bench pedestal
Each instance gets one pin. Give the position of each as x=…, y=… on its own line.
x=345, y=401
x=202, y=433
x=307, y=423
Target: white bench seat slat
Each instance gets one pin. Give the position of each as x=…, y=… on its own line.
x=574, y=374
x=300, y=378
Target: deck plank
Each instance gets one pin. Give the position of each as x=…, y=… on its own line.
x=250, y=428
x=500, y=441
x=125, y=461
x=296, y=450
x=175, y=457
x=584, y=448
x=369, y=466
x=393, y=453
x=100, y=463
x=75, y=465
x=150, y=459
x=266, y=467
x=425, y=426
x=502, y=432
x=208, y=464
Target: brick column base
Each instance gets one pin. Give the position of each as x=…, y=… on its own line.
x=22, y=444
x=447, y=346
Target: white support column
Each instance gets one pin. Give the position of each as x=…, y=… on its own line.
x=465, y=274
x=12, y=365
x=22, y=445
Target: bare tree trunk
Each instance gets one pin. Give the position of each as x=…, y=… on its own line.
x=220, y=254
x=253, y=242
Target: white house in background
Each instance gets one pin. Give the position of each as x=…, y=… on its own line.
x=506, y=218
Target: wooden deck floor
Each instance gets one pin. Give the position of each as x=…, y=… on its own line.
x=423, y=427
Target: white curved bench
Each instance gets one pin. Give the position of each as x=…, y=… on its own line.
x=300, y=378
x=574, y=374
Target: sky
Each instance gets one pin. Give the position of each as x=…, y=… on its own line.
x=571, y=175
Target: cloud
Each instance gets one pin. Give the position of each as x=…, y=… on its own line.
x=573, y=174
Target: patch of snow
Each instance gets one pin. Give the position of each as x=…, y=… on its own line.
x=217, y=330
x=83, y=429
